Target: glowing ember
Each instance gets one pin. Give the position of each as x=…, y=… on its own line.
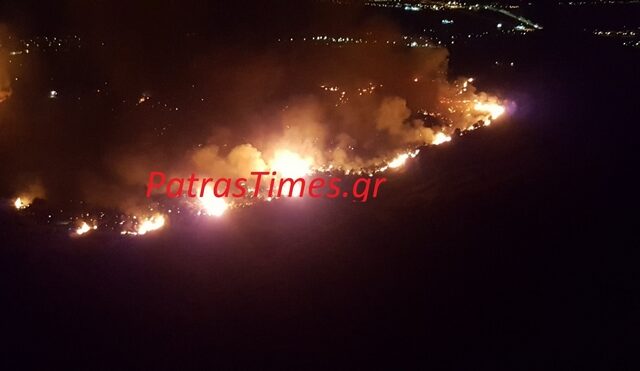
x=21, y=203
x=214, y=206
x=440, y=138
x=85, y=228
x=150, y=224
x=291, y=165
x=494, y=109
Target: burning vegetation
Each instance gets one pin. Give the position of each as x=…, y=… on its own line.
x=299, y=112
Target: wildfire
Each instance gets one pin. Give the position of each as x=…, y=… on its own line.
x=291, y=164
x=441, y=138
x=494, y=109
x=85, y=228
x=28, y=195
x=147, y=225
x=398, y=161
x=20, y=204
x=214, y=206
x=463, y=111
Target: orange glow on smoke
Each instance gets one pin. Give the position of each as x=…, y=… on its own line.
x=290, y=164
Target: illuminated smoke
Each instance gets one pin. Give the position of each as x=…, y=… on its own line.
x=349, y=111
x=290, y=165
x=239, y=162
x=310, y=141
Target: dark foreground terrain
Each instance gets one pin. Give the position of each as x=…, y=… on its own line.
x=508, y=248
